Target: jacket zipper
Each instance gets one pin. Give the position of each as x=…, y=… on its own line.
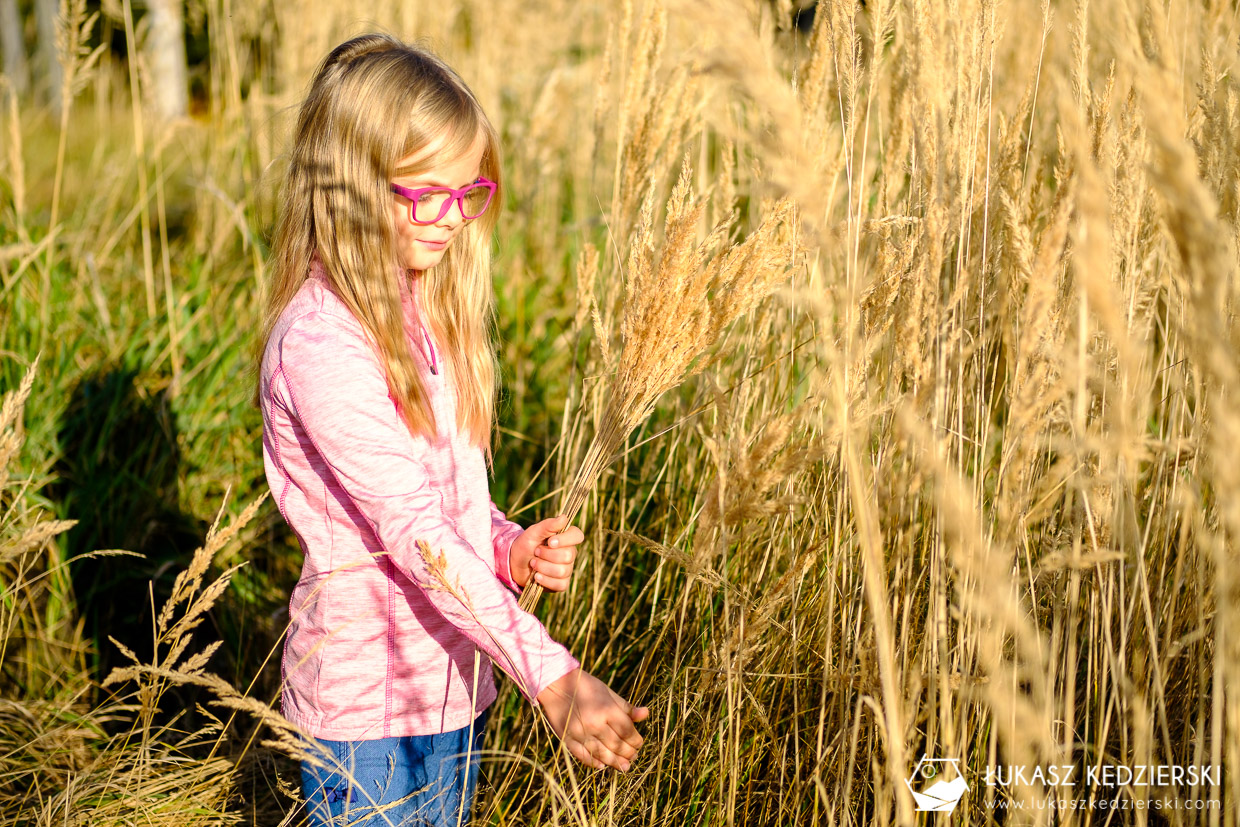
x=431, y=348
x=417, y=310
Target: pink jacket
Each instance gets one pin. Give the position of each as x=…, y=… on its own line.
x=376, y=647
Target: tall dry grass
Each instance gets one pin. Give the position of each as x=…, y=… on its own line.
x=960, y=488
x=71, y=757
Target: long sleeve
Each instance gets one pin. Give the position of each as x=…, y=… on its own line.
x=336, y=390
x=503, y=532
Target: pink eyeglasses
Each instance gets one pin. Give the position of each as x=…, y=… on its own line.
x=430, y=204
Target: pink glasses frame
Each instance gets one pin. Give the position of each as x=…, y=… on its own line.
x=457, y=196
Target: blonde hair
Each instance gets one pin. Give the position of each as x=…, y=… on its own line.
x=373, y=101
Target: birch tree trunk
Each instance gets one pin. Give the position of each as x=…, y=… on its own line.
x=48, y=74
x=14, y=47
x=165, y=59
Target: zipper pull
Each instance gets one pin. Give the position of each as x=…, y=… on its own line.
x=431, y=349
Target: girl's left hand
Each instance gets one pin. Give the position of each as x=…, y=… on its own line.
x=545, y=554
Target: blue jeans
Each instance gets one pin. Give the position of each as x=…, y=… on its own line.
x=411, y=781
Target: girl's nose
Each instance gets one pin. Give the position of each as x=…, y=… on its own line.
x=454, y=215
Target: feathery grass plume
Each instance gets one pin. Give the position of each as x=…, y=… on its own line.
x=38, y=649
x=1037, y=386
x=46, y=727
x=174, y=634
x=436, y=563
x=756, y=469
x=658, y=107
x=755, y=463
x=201, y=784
x=58, y=763
x=678, y=301
x=77, y=60
x=10, y=419
x=775, y=124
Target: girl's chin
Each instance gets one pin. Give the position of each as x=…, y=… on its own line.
x=421, y=259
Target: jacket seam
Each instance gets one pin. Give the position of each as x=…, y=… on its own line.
x=275, y=449
x=391, y=654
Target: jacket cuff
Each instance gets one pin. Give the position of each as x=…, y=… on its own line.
x=503, y=554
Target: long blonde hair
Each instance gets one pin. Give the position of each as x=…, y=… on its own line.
x=373, y=101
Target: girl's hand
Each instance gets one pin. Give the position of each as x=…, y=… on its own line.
x=595, y=723
x=545, y=555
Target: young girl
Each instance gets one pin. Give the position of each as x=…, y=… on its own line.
x=377, y=386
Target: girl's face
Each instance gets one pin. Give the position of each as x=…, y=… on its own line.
x=421, y=246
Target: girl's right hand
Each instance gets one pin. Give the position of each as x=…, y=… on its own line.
x=545, y=556
x=595, y=723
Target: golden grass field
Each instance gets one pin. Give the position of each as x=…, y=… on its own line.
x=964, y=485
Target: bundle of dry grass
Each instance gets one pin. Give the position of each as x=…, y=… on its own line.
x=678, y=301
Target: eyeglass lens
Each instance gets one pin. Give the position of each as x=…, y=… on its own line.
x=432, y=205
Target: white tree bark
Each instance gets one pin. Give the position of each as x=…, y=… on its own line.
x=48, y=74
x=165, y=59
x=13, y=46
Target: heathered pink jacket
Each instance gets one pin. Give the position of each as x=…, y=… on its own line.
x=376, y=647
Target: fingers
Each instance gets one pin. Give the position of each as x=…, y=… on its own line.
x=599, y=730
x=553, y=525
x=551, y=584
x=552, y=575
x=579, y=711
x=624, y=740
x=599, y=755
x=566, y=539
x=560, y=556
x=620, y=736
x=624, y=727
x=552, y=562
x=578, y=750
x=610, y=757
x=629, y=739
